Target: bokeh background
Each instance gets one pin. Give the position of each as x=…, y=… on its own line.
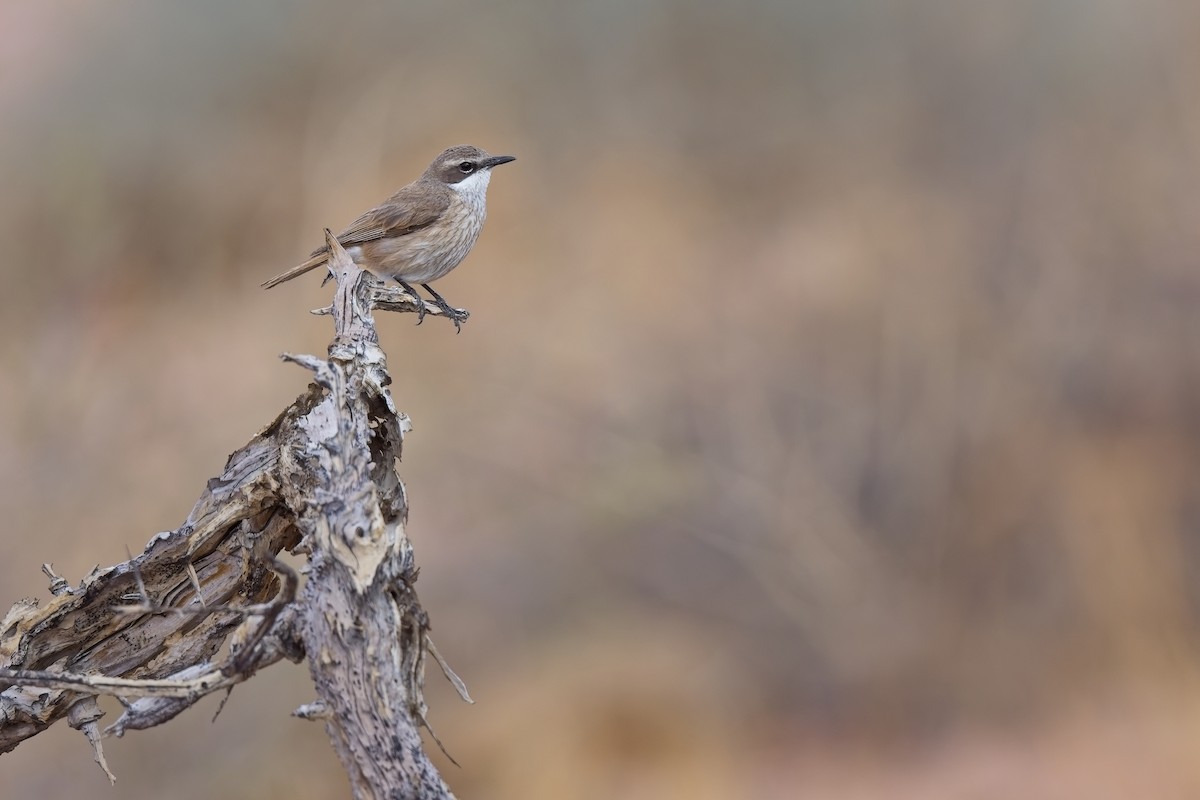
x=828, y=420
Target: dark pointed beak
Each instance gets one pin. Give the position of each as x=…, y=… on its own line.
x=495, y=161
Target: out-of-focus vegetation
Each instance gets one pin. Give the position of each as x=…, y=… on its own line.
x=826, y=424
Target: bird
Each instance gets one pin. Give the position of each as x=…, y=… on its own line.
x=422, y=231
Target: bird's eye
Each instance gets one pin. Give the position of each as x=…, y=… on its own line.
x=467, y=167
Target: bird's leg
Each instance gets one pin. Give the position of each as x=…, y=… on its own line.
x=420, y=301
x=457, y=315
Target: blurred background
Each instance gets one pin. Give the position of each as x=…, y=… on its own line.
x=828, y=420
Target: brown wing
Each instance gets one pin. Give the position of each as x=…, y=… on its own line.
x=414, y=207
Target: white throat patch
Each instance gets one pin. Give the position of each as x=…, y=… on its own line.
x=473, y=190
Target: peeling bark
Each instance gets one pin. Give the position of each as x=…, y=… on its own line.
x=319, y=481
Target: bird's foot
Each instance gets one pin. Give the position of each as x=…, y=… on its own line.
x=456, y=315
x=420, y=301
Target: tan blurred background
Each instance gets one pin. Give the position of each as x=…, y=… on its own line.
x=828, y=420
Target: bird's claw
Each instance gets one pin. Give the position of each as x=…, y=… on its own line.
x=420, y=301
x=458, y=316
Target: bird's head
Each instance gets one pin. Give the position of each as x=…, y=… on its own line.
x=464, y=163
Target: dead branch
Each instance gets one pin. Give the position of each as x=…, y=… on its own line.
x=319, y=481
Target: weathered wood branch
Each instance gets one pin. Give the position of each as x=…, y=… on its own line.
x=319, y=481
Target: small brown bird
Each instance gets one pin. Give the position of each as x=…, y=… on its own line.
x=422, y=231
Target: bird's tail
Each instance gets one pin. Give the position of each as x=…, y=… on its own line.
x=315, y=261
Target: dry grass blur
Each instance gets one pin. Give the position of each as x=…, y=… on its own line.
x=825, y=425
